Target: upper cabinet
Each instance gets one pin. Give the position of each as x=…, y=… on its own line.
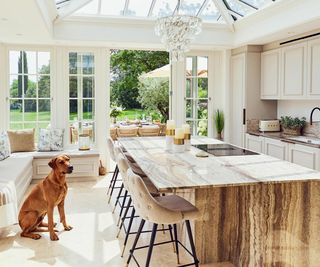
x=314, y=69
x=270, y=74
x=293, y=66
x=291, y=72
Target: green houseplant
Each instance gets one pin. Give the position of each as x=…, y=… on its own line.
x=219, y=122
x=114, y=113
x=292, y=126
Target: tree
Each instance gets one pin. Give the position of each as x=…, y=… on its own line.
x=154, y=95
x=126, y=67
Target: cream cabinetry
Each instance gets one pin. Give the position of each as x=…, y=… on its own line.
x=276, y=148
x=305, y=156
x=255, y=143
x=313, y=84
x=294, y=71
x=270, y=74
x=291, y=72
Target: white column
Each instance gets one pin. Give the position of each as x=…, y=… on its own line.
x=4, y=92
x=226, y=55
x=178, y=92
x=102, y=70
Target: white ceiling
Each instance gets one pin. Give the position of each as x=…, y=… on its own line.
x=38, y=22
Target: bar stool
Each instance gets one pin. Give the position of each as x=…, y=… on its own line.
x=114, y=178
x=123, y=164
x=169, y=210
x=149, y=130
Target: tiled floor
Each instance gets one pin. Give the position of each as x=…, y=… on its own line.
x=92, y=242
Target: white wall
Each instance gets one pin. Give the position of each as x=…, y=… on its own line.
x=298, y=108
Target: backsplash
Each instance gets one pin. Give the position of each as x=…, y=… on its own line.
x=253, y=125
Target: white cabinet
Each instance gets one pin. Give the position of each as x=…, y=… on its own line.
x=255, y=143
x=276, y=148
x=294, y=71
x=304, y=156
x=313, y=87
x=270, y=74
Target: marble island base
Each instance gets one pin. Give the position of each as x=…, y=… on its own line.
x=275, y=224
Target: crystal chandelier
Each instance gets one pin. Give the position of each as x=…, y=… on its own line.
x=177, y=31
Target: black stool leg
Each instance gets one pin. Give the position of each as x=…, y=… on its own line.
x=176, y=242
x=128, y=231
x=193, y=249
x=171, y=237
x=124, y=215
x=118, y=198
x=111, y=182
x=122, y=206
x=152, y=239
x=114, y=182
x=136, y=240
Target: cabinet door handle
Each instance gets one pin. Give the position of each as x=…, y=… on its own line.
x=244, y=116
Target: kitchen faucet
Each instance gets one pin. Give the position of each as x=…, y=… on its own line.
x=312, y=114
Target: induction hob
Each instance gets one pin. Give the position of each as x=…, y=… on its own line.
x=221, y=150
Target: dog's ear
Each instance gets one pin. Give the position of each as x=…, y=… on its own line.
x=52, y=163
x=67, y=156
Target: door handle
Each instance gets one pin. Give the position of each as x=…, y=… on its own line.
x=244, y=116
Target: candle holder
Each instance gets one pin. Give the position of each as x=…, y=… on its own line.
x=84, y=142
x=169, y=138
x=187, y=141
x=178, y=145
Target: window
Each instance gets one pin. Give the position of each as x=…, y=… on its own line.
x=81, y=95
x=29, y=98
x=197, y=94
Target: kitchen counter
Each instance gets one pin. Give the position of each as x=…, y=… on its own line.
x=255, y=210
x=282, y=137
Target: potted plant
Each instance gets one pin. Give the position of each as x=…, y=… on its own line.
x=219, y=122
x=292, y=126
x=114, y=113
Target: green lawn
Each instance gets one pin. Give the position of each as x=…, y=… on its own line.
x=131, y=114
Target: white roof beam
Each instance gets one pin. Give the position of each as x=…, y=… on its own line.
x=72, y=7
x=151, y=8
x=126, y=6
x=244, y=3
x=238, y=16
x=224, y=13
x=204, y=5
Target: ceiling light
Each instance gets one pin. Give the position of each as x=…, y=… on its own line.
x=177, y=32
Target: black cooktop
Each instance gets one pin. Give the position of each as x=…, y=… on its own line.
x=221, y=150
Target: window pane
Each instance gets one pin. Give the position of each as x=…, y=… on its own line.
x=73, y=109
x=239, y=8
x=210, y=12
x=88, y=85
x=31, y=88
x=190, y=7
x=202, y=128
x=189, y=108
x=202, y=109
x=16, y=126
x=43, y=62
x=138, y=8
x=202, y=65
x=44, y=109
x=44, y=86
x=15, y=110
x=73, y=86
x=192, y=126
x=88, y=64
x=30, y=110
x=189, y=88
x=73, y=63
x=202, y=87
x=30, y=62
x=15, y=62
x=44, y=125
x=164, y=8
x=88, y=106
x=15, y=86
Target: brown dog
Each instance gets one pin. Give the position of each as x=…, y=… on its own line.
x=46, y=195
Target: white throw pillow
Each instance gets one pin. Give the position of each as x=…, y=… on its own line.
x=50, y=139
x=4, y=146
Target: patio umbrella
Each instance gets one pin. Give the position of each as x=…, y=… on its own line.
x=164, y=72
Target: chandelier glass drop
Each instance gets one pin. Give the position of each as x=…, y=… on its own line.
x=177, y=31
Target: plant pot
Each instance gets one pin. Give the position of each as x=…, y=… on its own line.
x=219, y=136
x=289, y=131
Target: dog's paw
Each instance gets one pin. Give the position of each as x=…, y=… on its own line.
x=36, y=236
x=54, y=237
x=68, y=228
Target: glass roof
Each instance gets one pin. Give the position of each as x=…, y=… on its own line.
x=206, y=9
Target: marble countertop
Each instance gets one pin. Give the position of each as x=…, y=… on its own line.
x=281, y=136
x=172, y=171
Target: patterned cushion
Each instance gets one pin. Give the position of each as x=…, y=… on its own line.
x=4, y=146
x=50, y=140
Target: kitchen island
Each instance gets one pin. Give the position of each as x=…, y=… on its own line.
x=256, y=210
